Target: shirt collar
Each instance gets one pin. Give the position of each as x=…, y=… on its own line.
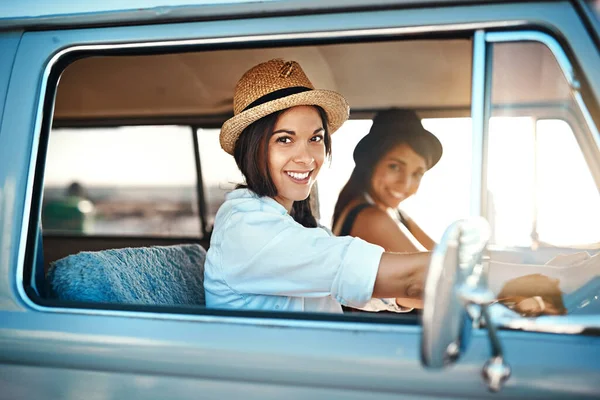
x=245, y=193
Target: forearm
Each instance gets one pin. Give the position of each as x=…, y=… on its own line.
x=401, y=275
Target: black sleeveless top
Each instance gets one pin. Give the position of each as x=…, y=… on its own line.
x=353, y=213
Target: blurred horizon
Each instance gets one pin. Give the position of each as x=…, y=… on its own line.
x=553, y=190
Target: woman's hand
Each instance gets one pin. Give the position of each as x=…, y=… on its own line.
x=533, y=295
x=409, y=303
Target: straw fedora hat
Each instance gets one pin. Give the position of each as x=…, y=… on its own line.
x=273, y=86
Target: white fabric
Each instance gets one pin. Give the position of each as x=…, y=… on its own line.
x=385, y=304
x=572, y=271
x=261, y=259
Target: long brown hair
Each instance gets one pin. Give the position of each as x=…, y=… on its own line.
x=251, y=154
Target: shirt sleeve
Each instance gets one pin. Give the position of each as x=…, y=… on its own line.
x=271, y=254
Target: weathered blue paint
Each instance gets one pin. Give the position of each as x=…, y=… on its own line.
x=367, y=362
x=72, y=354
x=33, y=13
x=8, y=48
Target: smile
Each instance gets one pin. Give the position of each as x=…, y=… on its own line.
x=397, y=195
x=299, y=177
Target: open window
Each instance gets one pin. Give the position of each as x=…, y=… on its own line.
x=157, y=175
x=543, y=195
x=133, y=158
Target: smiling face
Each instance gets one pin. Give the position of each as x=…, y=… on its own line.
x=296, y=153
x=397, y=176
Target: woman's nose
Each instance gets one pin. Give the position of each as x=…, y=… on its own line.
x=304, y=155
x=404, y=182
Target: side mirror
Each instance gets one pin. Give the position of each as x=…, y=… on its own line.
x=456, y=280
x=453, y=263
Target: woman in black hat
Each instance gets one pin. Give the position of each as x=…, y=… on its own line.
x=390, y=162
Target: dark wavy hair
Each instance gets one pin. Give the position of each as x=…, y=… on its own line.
x=251, y=154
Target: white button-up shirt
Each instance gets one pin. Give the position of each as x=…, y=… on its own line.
x=261, y=259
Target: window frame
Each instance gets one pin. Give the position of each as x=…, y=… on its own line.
x=570, y=117
x=481, y=104
x=402, y=28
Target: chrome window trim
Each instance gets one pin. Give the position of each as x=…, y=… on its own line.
x=369, y=326
x=479, y=123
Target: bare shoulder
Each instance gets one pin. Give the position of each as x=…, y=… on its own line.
x=373, y=220
x=377, y=226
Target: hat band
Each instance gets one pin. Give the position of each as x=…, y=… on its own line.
x=278, y=94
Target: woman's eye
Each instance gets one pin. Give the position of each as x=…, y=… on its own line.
x=317, y=138
x=284, y=139
x=394, y=167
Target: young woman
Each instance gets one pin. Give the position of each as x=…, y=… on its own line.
x=267, y=251
x=390, y=162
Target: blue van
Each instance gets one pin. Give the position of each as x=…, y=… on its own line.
x=125, y=99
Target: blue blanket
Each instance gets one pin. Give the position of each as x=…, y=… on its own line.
x=159, y=275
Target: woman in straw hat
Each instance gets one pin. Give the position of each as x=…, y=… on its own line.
x=390, y=162
x=267, y=251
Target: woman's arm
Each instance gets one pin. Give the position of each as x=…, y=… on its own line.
x=376, y=226
x=402, y=275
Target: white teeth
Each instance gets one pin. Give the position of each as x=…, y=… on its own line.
x=298, y=175
x=397, y=195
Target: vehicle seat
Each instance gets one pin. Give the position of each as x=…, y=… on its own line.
x=158, y=275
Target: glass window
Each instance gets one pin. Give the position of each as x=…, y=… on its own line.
x=567, y=211
x=540, y=189
x=510, y=180
x=449, y=179
x=121, y=181
x=220, y=173
x=141, y=180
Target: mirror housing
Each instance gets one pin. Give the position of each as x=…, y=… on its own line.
x=455, y=265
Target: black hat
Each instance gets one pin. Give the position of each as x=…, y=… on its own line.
x=399, y=126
